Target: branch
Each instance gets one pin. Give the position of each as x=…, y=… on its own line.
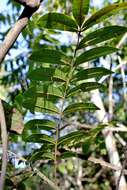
x=29, y=3
x=123, y=168
x=106, y=164
x=95, y=160
x=36, y=171
x=116, y=129
x=93, y=179
x=41, y=175
x=122, y=41
x=79, y=155
x=120, y=139
x=30, y=7
x=110, y=96
x=4, y=146
x=123, y=79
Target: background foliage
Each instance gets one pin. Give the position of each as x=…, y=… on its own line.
x=62, y=56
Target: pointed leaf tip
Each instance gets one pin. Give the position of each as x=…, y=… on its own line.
x=80, y=10
x=102, y=35
x=104, y=13
x=80, y=107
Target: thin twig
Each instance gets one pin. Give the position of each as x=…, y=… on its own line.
x=35, y=169
x=94, y=179
x=123, y=79
x=42, y=176
x=58, y=128
x=110, y=96
x=120, y=43
x=116, y=129
x=106, y=164
x=120, y=139
x=4, y=138
x=96, y=161
x=119, y=128
x=122, y=170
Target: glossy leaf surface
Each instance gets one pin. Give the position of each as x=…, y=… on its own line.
x=57, y=21
x=41, y=124
x=95, y=72
x=40, y=105
x=103, y=13
x=45, y=90
x=102, y=35
x=70, y=137
x=80, y=9
x=94, y=54
x=80, y=107
x=47, y=74
x=84, y=87
x=39, y=138
x=41, y=155
x=42, y=55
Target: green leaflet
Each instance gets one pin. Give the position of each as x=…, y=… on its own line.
x=67, y=154
x=103, y=13
x=42, y=55
x=41, y=124
x=102, y=35
x=86, y=145
x=45, y=90
x=47, y=74
x=80, y=9
x=18, y=102
x=40, y=138
x=57, y=21
x=95, y=72
x=42, y=155
x=40, y=105
x=73, y=136
x=94, y=54
x=80, y=107
x=84, y=87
